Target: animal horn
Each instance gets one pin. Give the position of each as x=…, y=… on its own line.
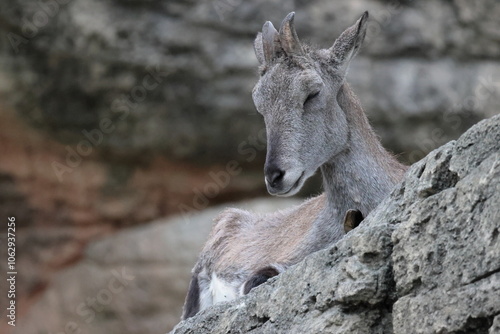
x=269, y=38
x=288, y=37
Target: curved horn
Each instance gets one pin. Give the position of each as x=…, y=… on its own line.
x=288, y=37
x=269, y=37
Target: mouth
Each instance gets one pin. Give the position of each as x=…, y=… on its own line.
x=292, y=188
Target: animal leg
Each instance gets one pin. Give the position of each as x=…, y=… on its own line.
x=192, y=303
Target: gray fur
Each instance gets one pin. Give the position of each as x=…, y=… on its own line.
x=313, y=121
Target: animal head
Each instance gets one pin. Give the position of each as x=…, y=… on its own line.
x=297, y=95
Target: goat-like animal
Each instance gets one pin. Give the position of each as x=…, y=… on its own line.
x=313, y=121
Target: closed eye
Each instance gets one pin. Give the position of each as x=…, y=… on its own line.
x=310, y=97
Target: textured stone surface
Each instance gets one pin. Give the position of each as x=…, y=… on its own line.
x=424, y=261
x=446, y=254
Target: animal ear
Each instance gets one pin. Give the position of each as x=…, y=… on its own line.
x=288, y=36
x=259, y=48
x=348, y=43
x=352, y=219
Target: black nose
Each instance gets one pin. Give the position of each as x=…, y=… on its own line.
x=274, y=175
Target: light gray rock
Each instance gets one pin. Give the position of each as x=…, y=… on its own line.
x=495, y=328
x=464, y=309
x=424, y=261
x=446, y=253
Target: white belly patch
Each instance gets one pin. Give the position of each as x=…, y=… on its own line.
x=215, y=291
x=222, y=291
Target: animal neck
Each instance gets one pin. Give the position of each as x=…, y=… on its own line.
x=364, y=173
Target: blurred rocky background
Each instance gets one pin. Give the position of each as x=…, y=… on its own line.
x=116, y=113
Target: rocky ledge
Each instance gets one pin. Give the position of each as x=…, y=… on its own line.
x=425, y=261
